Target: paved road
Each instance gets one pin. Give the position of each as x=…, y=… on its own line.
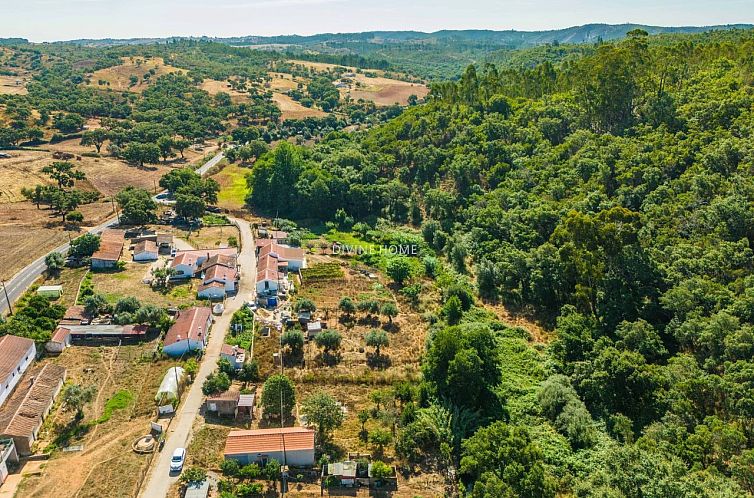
x=22, y=280
x=179, y=435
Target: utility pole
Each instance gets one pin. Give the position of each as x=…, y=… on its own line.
x=115, y=209
x=10, y=307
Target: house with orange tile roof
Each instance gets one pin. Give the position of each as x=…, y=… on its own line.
x=292, y=446
x=189, y=332
x=110, y=248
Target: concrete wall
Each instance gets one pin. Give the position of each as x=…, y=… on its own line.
x=7, y=384
x=182, y=347
x=297, y=458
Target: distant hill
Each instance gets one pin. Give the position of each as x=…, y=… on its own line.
x=587, y=33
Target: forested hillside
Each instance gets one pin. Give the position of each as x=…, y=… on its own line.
x=611, y=199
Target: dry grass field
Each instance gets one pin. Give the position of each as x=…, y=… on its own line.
x=282, y=82
x=213, y=87
x=12, y=85
x=118, y=78
x=293, y=110
x=383, y=91
x=130, y=282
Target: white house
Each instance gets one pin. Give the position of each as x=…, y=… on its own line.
x=212, y=290
x=222, y=274
x=146, y=250
x=288, y=445
x=186, y=263
x=293, y=256
x=189, y=332
x=267, y=281
x=7, y=455
x=16, y=354
x=61, y=339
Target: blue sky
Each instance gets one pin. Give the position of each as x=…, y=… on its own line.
x=47, y=20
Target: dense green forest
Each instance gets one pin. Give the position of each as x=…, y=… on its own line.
x=609, y=197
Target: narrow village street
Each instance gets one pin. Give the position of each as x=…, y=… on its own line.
x=179, y=435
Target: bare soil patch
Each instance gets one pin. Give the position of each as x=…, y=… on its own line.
x=383, y=91
x=213, y=87
x=13, y=85
x=293, y=110
x=282, y=81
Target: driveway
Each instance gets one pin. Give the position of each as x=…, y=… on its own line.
x=179, y=434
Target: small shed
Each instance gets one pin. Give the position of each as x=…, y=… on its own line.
x=224, y=404
x=246, y=406
x=61, y=339
x=51, y=291
x=344, y=471
x=313, y=328
x=146, y=250
x=197, y=489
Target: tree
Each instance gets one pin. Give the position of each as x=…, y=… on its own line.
x=304, y=304
x=278, y=392
x=249, y=371
x=75, y=217
x=323, y=410
x=54, y=262
x=63, y=173
x=140, y=154
x=379, y=438
x=189, y=206
x=363, y=417
x=84, y=246
x=376, y=339
x=193, y=475
x=95, y=304
x=216, y=383
x=329, y=340
x=399, y=269
x=137, y=206
x=381, y=470
x=453, y=310
x=75, y=397
x=347, y=306
x=127, y=304
x=150, y=314
x=504, y=458
x=224, y=366
x=181, y=144
x=69, y=123
x=390, y=310
x=64, y=202
x=165, y=145
x=95, y=137
x=294, y=339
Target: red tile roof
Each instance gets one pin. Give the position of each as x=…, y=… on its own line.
x=269, y=440
x=145, y=246
x=230, y=395
x=211, y=285
x=188, y=325
x=110, y=245
x=13, y=350
x=267, y=275
x=60, y=334
x=22, y=414
x=221, y=272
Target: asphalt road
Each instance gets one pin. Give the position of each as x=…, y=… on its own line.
x=179, y=434
x=22, y=280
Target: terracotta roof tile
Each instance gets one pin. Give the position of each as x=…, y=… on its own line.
x=269, y=440
x=13, y=349
x=188, y=325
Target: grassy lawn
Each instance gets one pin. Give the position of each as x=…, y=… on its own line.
x=69, y=278
x=233, y=190
x=208, y=237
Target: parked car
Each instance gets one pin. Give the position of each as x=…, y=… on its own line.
x=179, y=457
x=251, y=305
x=218, y=309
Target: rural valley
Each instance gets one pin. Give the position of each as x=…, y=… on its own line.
x=465, y=263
